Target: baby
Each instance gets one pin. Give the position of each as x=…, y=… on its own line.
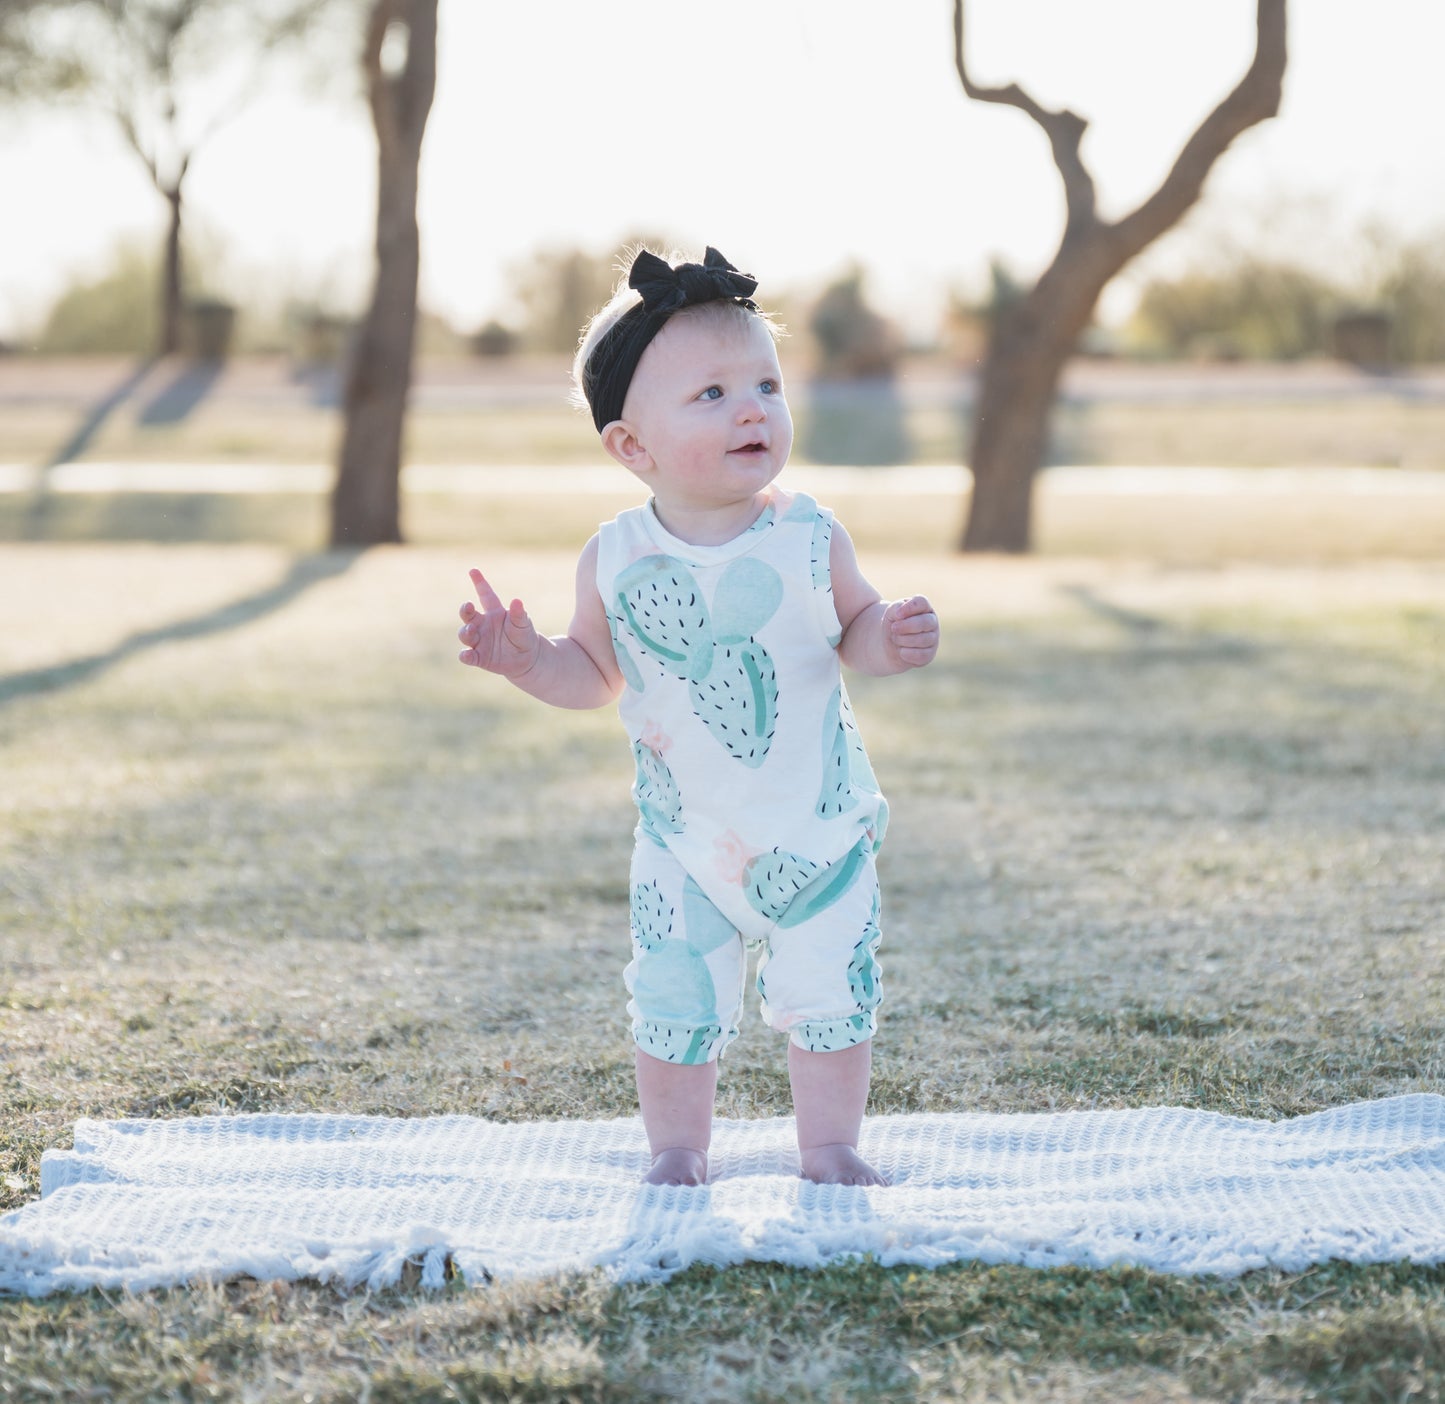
x=719, y=614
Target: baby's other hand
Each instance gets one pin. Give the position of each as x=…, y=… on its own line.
x=910, y=631
x=500, y=638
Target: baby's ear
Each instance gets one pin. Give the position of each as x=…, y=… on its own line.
x=621, y=441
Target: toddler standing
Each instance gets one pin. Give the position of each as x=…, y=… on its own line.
x=719, y=613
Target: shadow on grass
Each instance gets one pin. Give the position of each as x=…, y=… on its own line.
x=35, y=523
x=98, y=413
x=177, y=400
x=303, y=574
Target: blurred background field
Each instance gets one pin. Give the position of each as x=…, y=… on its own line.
x=1310, y=461
x=110, y=408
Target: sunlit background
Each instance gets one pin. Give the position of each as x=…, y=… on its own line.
x=802, y=138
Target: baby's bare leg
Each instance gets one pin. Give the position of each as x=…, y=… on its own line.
x=676, y=1103
x=830, y=1091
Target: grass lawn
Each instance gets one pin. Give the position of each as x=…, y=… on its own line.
x=1163, y=833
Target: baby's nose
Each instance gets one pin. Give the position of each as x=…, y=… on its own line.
x=751, y=408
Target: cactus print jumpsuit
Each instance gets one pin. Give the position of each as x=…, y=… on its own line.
x=759, y=812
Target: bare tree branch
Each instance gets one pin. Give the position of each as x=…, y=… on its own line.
x=143, y=64
x=128, y=130
x=1032, y=339
x=1254, y=100
x=378, y=86
x=401, y=107
x=1064, y=129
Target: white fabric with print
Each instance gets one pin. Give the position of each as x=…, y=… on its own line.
x=749, y=764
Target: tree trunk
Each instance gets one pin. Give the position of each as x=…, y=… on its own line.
x=171, y=307
x=1032, y=341
x=366, y=501
x=1030, y=345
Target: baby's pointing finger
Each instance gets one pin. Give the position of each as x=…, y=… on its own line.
x=488, y=596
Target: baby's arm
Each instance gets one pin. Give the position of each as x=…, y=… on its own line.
x=576, y=669
x=878, y=638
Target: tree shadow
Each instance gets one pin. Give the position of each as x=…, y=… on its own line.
x=1135, y=622
x=187, y=388
x=858, y=422
x=303, y=574
x=322, y=382
x=97, y=414
x=1158, y=634
x=33, y=525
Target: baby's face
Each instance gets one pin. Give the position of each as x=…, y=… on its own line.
x=707, y=406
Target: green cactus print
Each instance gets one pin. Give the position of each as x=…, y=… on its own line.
x=803, y=509
x=772, y=880
x=822, y=570
x=789, y=889
x=832, y=1035
x=738, y=702
x=851, y=764
x=651, y=916
x=862, y=767
x=665, y=610
x=675, y=978
x=748, y=594
x=625, y=665
x=731, y=678
x=822, y=544
x=658, y=799
x=836, y=795
x=737, y=699
x=865, y=979
x=673, y=1044
x=707, y=928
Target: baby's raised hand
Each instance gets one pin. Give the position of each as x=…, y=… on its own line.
x=910, y=631
x=500, y=638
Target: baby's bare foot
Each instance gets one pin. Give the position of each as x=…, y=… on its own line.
x=679, y=1166
x=838, y=1165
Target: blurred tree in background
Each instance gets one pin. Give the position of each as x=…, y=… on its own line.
x=1035, y=336
x=557, y=289
x=855, y=342
x=855, y=413
x=1412, y=288
x=399, y=60
x=170, y=73
x=115, y=311
x=1247, y=307
x=1255, y=310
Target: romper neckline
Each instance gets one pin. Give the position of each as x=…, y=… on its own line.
x=748, y=539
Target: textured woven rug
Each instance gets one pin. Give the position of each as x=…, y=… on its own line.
x=350, y=1199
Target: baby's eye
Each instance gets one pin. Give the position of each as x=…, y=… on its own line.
x=769, y=387
x=713, y=392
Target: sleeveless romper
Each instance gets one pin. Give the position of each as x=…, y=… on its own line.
x=759, y=812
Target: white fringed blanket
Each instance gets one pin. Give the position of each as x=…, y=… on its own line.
x=350, y=1199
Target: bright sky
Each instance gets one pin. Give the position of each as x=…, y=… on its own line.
x=796, y=135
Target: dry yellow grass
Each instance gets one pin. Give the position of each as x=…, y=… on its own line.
x=1162, y=834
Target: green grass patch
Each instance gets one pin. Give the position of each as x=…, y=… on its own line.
x=1160, y=835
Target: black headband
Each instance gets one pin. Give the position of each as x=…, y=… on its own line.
x=613, y=361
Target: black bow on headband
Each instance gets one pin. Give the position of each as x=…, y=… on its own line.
x=665, y=290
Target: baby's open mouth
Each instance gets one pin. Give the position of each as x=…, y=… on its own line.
x=752, y=448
